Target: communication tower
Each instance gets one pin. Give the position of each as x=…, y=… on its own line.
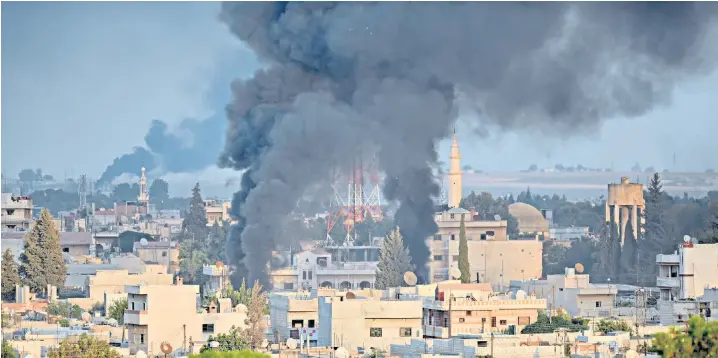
x=82, y=192
x=356, y=196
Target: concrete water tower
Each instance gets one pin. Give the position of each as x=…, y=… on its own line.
x=625, y=202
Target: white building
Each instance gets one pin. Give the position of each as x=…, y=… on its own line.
x=346, y=268
x=217, y=278
x=16, y=212
x=684, y=277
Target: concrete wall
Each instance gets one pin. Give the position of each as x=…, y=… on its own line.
x=496, y=262
x=114, y=281
x=699, y=269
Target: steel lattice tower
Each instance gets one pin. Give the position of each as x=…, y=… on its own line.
x=82, y=192
x=356, y=196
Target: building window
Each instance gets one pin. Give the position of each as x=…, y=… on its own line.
x=560, y=290
x=289, y=285
x=142, y=338
x=490, y=233
x=208, y=328
x=310, y=323
x=468, y=313
x=304, y=275
x=374, y=332
x=453, y=237
x=404, y=332
x=164, y=253
x=437, y=237
x=462, y=320
x=65, y=249
x=309, y=275
x=455, y=258
x=598, y=304
x=132, y=306
x=502, y=322
x=524, y=321
x=493, y=321
x=483, y=236
x=438, y=257
x=451, y=216
x=297, y=323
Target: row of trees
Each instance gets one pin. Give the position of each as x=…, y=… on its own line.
x=41, y=263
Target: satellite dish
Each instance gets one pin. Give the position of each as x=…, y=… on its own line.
x=686, y=239
x=341, y=352
x=143, y=241
x=166, y=348
x=141, y=354
x=455, y=273
x=410, y=278
x=578, y=267
x=86, y=317
x=351, y=295
x=520, y=295
x=265, y=343
x=497, y=217
x=291, y=343
x=213, y=344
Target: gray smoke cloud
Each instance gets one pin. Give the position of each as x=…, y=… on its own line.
x=389, y=77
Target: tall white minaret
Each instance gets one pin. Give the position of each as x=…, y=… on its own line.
x=454, y=175
x=144, y=197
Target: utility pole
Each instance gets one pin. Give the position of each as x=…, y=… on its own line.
x=492, y=344
x=184, y=338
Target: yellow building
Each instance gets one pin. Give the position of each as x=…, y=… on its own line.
x=217, y=211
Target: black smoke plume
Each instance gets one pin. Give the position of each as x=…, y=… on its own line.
x=390, y=76
x=131, y=163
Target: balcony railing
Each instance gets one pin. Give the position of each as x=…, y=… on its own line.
x=672, y=282
x=136, y=317
x=671, y=259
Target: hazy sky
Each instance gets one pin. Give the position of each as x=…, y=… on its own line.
x=81, y=83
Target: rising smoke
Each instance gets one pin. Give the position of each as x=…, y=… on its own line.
x=387, y=76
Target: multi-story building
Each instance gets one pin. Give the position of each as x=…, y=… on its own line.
x=367, y=322
x=168, y=314
x=217, y=278
x=16, y=212
x=492, y=256
x=684, y=277
x=346, y=268
x=217, y=211
x=470, y=309
x=165, y=253
x=573, y=293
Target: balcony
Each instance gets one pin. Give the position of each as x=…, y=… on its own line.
x=345, y=268
x=670, y=282
x=436, y=332
x=136, y=317
x=671, y=259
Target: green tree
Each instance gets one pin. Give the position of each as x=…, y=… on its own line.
x=254, y=333
x=64, y=309
x=700, y=340
x=464, y=254
x=159, y=192
x=544, y=324
x=394, y=261
x=196, y=220
x=228, y=342
x=191, y=262
x=612, y=325
x=7, y=350
x=10, y=276
x=215, y=246
x=85, y=347
x=26, y=175
x=117, y=310
x=241, y=296
x=41, y=263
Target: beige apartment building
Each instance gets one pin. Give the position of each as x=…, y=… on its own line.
x=471, y=309
x=116, y=281
x=367, y=322
x=217, y=211
x=492, y=257
x=573, y=293
x=16, y=212
x=159, y=314
x=165, y=253
x=684, y=277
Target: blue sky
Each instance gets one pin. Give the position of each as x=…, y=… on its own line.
x=82, y=81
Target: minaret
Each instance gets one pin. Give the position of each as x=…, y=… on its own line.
x=144, y=197
x=454, y=174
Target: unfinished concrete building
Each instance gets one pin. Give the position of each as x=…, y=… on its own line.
x=625, y=202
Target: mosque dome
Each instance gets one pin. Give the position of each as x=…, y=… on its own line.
x=529, y=218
